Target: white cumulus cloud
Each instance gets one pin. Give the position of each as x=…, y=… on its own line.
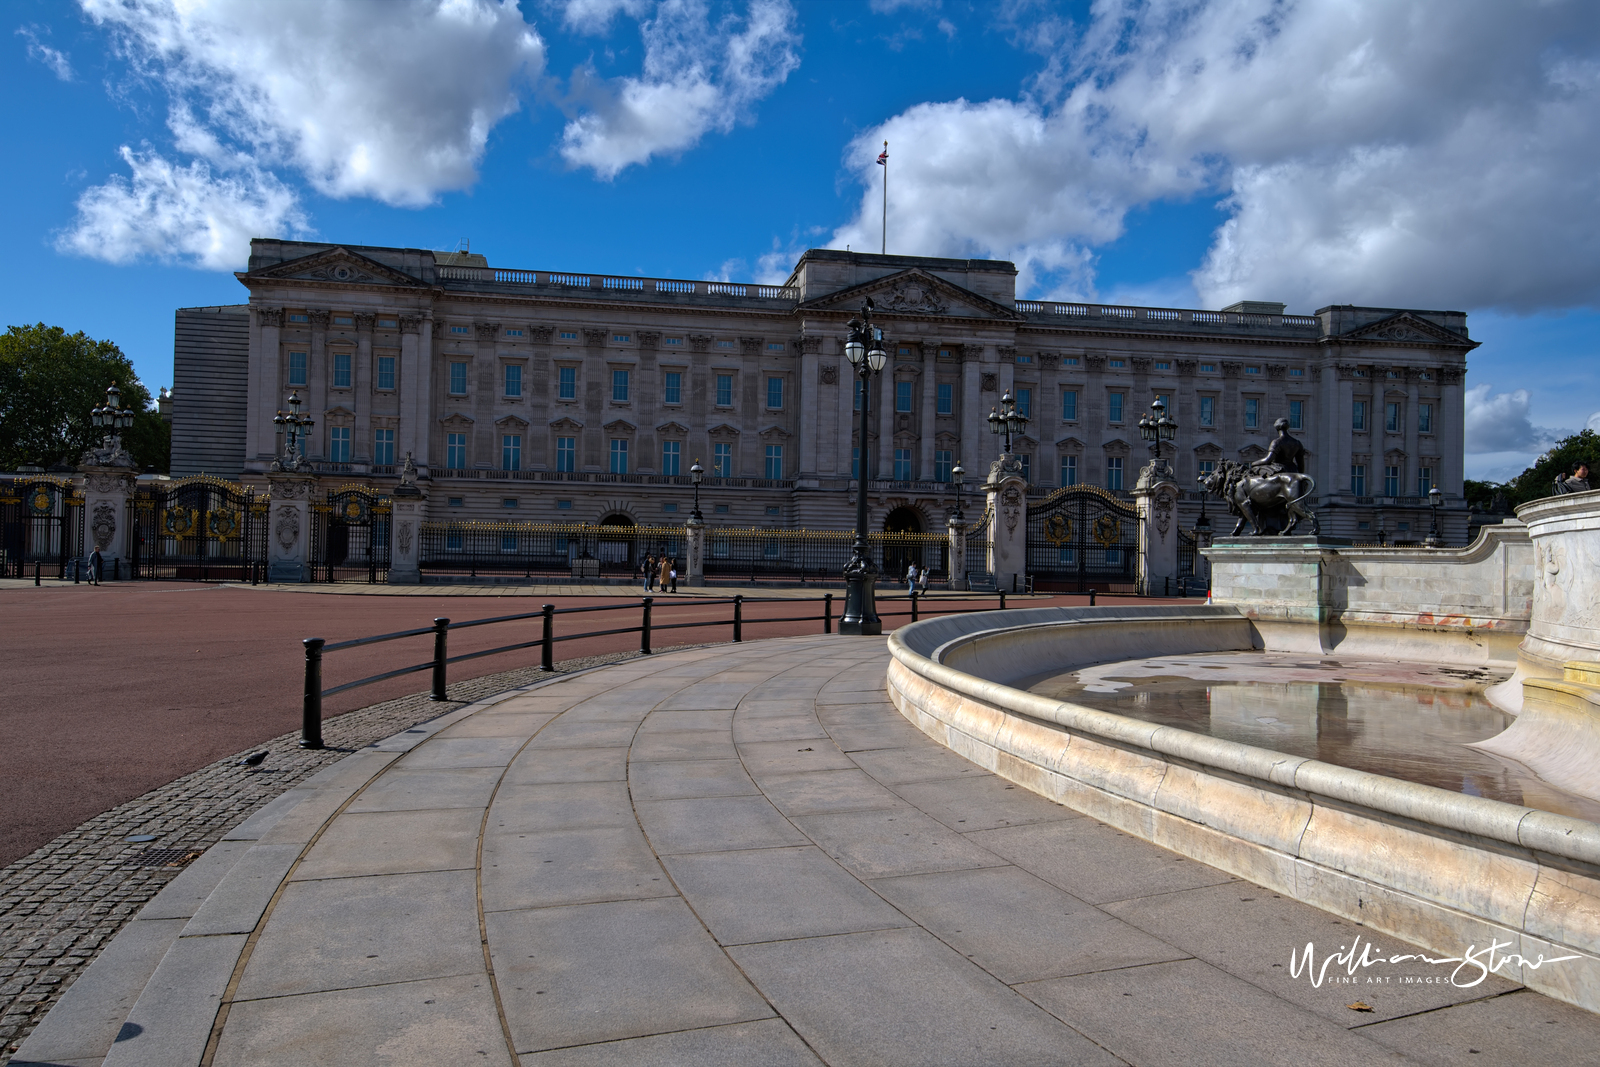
x=1502, y=422
x=1433, y=153
x=393, y=101
x=181, y=214
x=697, y=77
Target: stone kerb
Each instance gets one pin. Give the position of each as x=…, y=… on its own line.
x=1440, y=869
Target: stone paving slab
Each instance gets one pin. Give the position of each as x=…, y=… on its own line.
x=693, y=889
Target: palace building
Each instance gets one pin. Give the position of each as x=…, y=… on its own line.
x=541, y=395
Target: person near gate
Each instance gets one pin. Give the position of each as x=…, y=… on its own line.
x=96, y=562
x=665, y=576
x=674, y=575
x=649, y=573
x=911, y=578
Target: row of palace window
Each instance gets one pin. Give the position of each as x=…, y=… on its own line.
x=621, y=385
x=339, y=445
x=1394, y=419
x=618, y=453
x=343, y=371
x=1393, y=480
x=1115, y=405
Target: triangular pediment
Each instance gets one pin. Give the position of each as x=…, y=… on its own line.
x=620, y=426
x=914, y=293
x=672, y=429
x=455, y=418
x=774, y=433
x=1069, y=442
x=565, y=424
x=1406, y=328
x=723, y=430
x=338, y=266
x=511, y=422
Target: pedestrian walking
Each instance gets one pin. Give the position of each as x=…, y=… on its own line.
x=649, y=573
x=911, y=578
x=96, y=561
x=674, y=576
x=922, y=582
x=665, y=575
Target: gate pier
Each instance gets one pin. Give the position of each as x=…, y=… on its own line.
x=289, y=526
x=1155, y=497
x=1007, y=493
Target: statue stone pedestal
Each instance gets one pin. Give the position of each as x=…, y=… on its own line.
x=1007, y=493
x=1155, y=496
x=289, y=526
x=405, y=533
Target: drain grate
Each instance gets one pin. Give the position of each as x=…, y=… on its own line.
x=165, y=857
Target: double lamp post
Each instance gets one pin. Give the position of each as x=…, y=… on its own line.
x=865, y=350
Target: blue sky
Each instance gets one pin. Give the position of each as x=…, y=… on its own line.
x=1174, y=152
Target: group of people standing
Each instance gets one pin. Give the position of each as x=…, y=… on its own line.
x=916, y=578
x=663, y=570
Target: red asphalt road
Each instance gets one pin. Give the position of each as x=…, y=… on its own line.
x=113, y=691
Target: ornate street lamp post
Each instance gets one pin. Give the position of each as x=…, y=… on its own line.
x=697, y=474
x=1157, y=428
x=959, y=474
x=864, y=348
x=1007, y=420
x=1435, y=502
x=296, y=428
x=112, y=418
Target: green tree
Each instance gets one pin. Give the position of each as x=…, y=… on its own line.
x=49, y=382
x=1539, y=479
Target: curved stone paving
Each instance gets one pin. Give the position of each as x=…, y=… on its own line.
x=746, y=856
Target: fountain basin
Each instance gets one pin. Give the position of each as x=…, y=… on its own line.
x=1439, y=868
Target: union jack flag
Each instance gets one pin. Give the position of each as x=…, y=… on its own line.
x=883, y=157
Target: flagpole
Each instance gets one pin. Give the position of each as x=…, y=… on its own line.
x=884, y=248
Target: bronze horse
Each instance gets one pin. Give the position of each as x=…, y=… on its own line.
x=1269, y=503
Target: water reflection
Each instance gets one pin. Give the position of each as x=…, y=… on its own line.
x=1417, y=735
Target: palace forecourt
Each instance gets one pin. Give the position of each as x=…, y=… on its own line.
x=549, y=396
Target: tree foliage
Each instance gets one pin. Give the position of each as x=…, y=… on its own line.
x=1561, y=461
x=49, y=382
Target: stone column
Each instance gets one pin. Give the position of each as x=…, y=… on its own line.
x=269, y=396
x=289, y=527
x=885, y=420
x=695, y=547
x=807, y=399
x=106, y=492
x=361, y=449
x=926, y=421
x=413, y=421
x=1007, y=495
x=1449, y=432
x=1156, y=498
x=973, y=409
x=319, y=375
x=958, y=553
x=405, y=545
x=422, y=407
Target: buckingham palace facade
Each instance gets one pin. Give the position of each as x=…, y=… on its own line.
x=586, y=397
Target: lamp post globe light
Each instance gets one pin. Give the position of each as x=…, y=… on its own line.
x=1007, y=420
x=958, y=474
x=1435, y=502
x=865, y=350
x=112, y=418
x=697, y=474
x=296, y=429
x=1157, y=428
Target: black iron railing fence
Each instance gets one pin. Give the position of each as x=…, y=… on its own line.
x=439, y=664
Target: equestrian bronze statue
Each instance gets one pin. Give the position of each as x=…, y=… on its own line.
x=1269, y=493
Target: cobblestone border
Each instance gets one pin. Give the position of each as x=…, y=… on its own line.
x=65, y=901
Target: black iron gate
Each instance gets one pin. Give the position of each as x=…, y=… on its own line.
x=350, y=536
x=1082, y=538
x=41, y=527
x=199, y=528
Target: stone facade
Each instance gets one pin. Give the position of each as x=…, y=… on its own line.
x=542, y=395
